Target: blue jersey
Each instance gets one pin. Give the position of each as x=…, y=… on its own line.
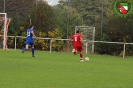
x=29, y=39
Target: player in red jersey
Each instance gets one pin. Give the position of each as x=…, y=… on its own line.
x=77, y=44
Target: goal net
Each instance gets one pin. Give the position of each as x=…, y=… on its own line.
x=4, y=22
x=88, y=35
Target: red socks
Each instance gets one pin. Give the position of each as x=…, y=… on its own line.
x=81, y=55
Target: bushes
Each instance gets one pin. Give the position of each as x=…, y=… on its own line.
x=112, y=49
x=44, y=44
x=105, y=48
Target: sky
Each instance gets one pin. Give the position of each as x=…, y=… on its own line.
x=52, y=2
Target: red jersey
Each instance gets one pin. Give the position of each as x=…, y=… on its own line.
x=76, y=38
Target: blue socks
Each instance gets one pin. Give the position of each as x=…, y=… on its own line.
x=23, y=50
x=33, y=52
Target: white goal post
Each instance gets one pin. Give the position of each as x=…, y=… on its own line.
x=4, y=22
x=88, y=34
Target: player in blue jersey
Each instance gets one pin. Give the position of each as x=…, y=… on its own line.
x=30, y=39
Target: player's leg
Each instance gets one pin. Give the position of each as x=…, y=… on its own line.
x=33, y=50
x=26, y=48
x=81, y=54
x=75, y=50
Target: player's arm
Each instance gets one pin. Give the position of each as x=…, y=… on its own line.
x=71, y=39
x=81, y=39
x=33, y=34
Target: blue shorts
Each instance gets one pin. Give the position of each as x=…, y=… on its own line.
x=29, y=42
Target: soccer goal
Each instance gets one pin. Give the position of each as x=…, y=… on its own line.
x=4, y=22
x=88, y=34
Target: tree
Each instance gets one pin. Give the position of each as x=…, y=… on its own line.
x=91, y=11
x=43, y=17
x=61, y=13
x=1, y=6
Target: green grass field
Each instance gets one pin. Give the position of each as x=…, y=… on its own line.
x=63, y=70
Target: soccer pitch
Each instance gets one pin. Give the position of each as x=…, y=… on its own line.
x=63, y=70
